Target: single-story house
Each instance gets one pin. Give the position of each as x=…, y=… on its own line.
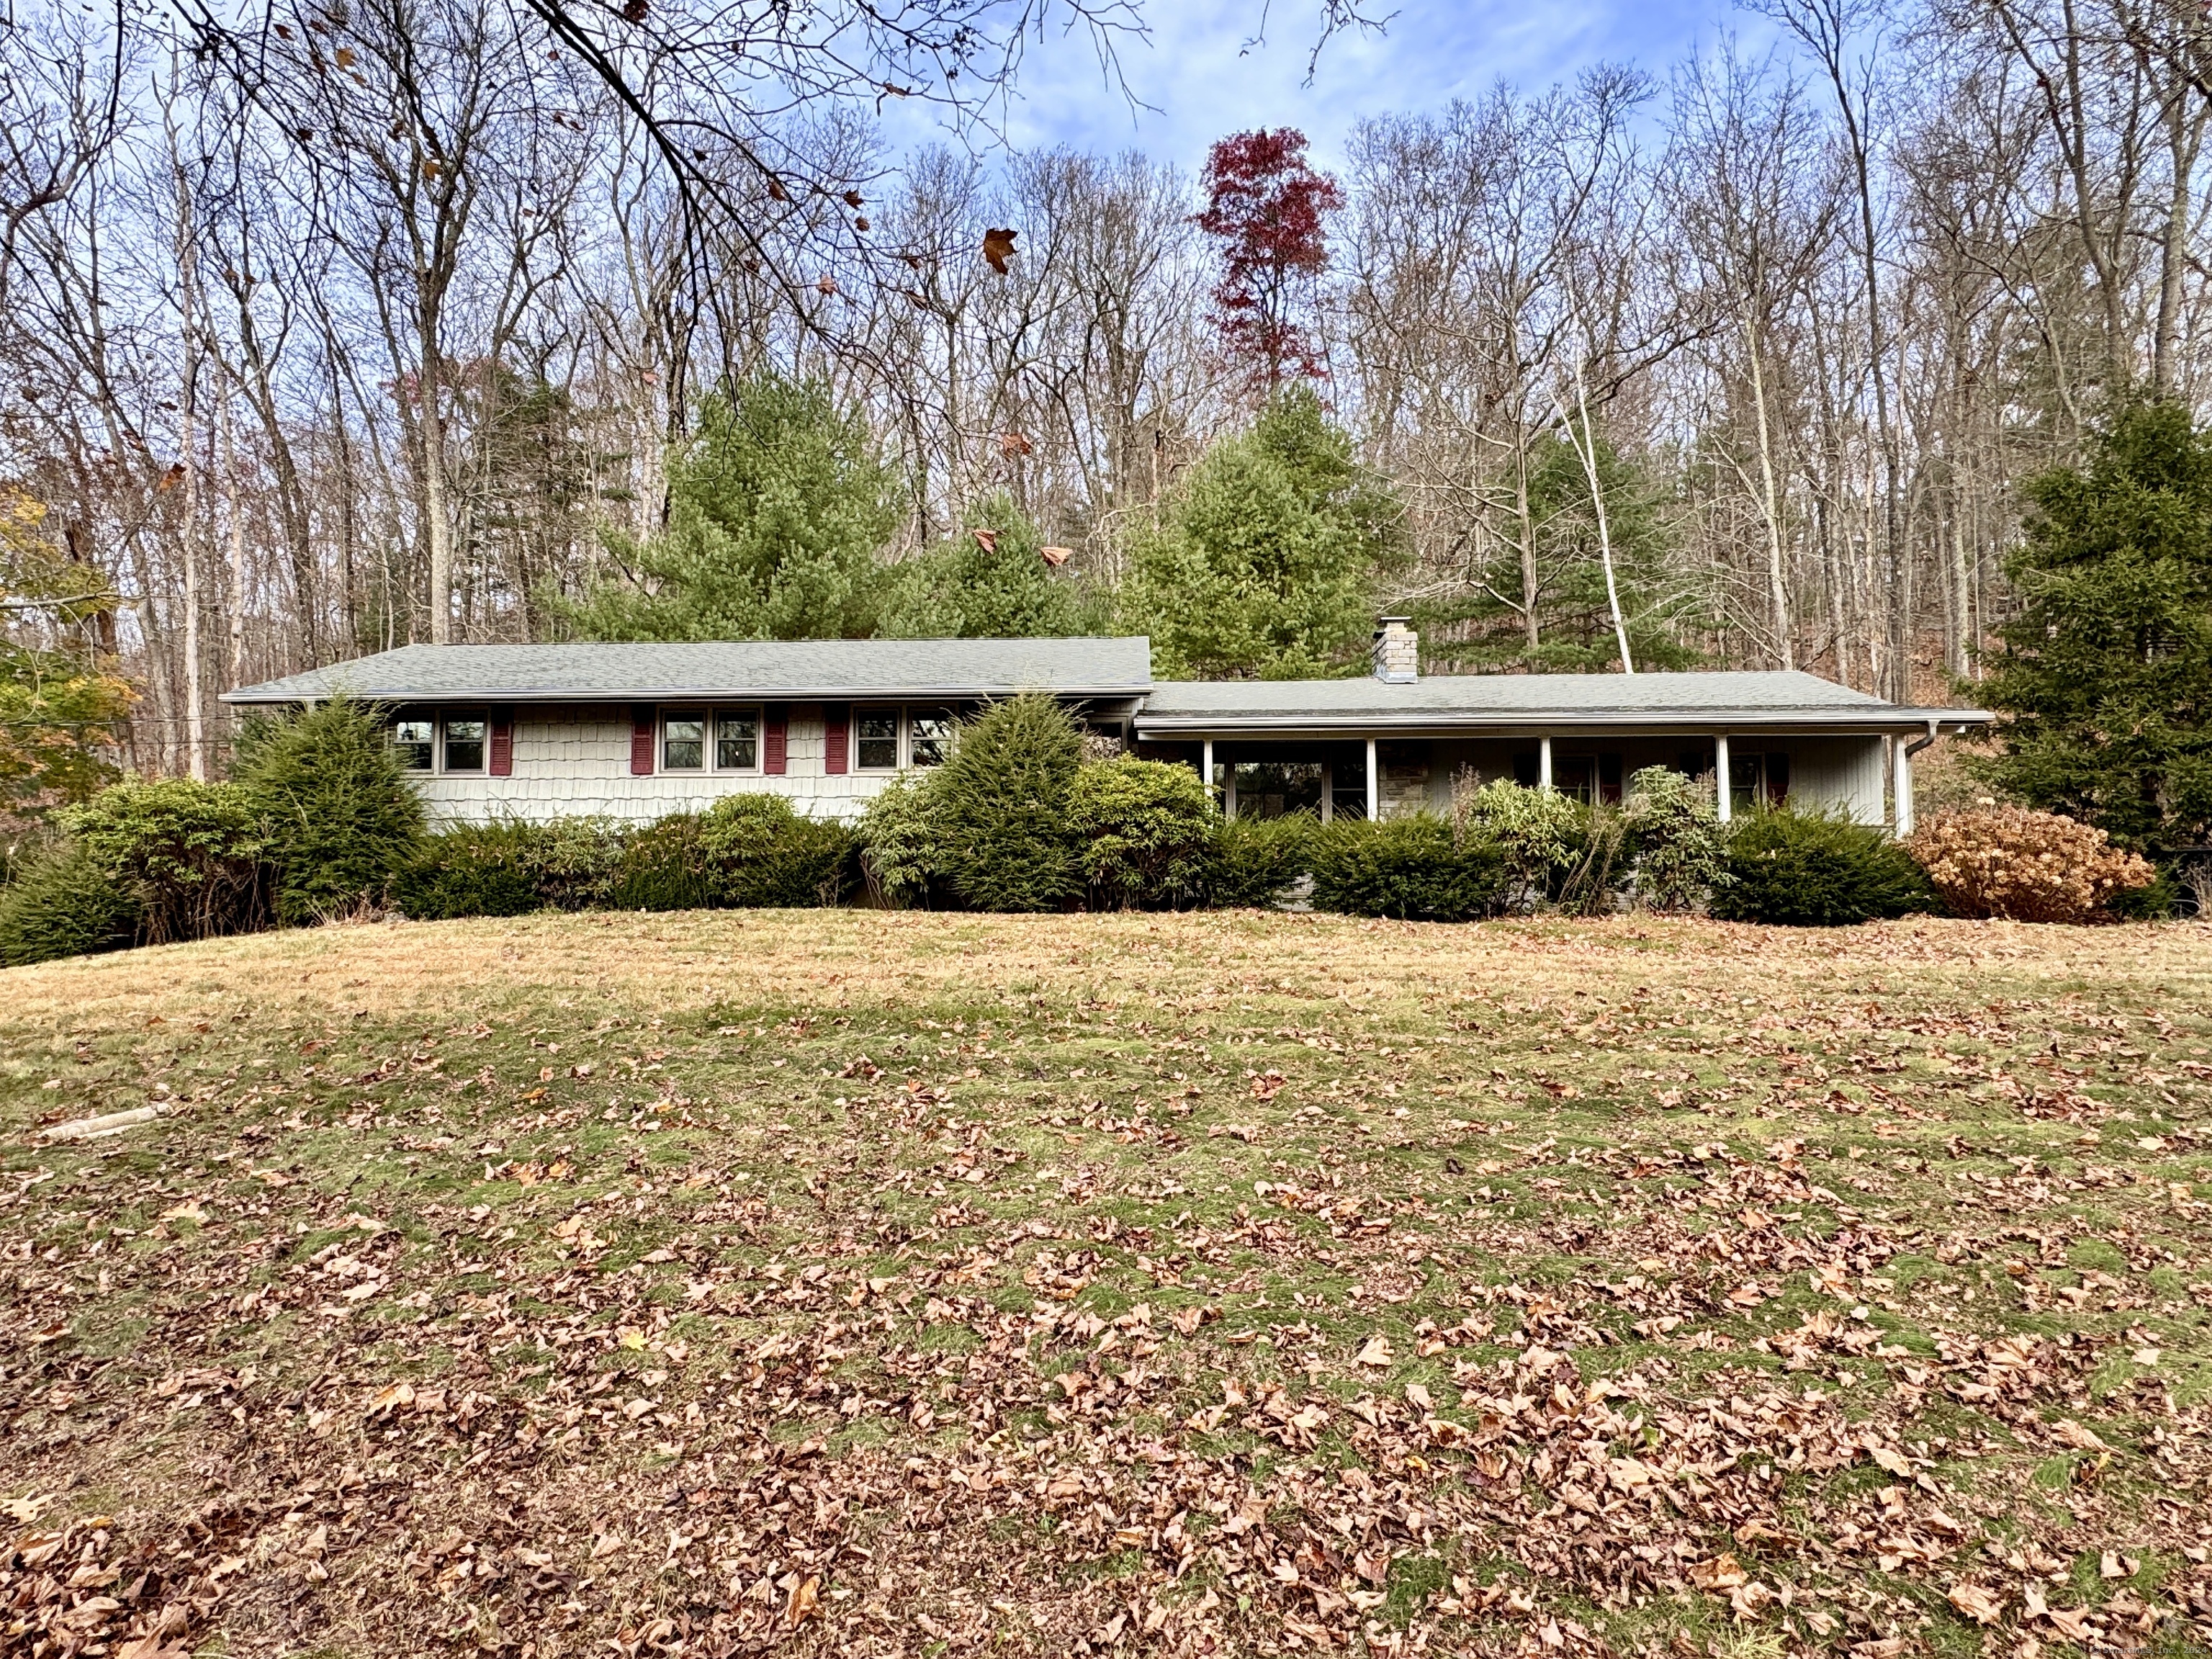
x=639, y=731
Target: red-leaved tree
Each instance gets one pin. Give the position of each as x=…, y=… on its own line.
x=1267, y=209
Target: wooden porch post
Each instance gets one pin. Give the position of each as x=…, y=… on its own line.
x=1373, y=794
x=1726, y=803
x=1543, y=763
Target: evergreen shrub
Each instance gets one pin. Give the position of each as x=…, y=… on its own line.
x=1540, y=835
x=1002, y=807
x=759, y=852
x=900, y=842
x=189, y=856
x=1676, y=842
x=470, y=870
x=663, y=867
x=1412, y=868
x=1144, y=828
x=339, y=818
x=1253, y=863
x=64, y=903
x=1806, y=869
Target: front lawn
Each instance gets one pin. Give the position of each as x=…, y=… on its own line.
x=899, y=1282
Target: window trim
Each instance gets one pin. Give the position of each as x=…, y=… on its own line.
x=481, y=717
x=715, y=739
x=706, y=718
x=860, y=711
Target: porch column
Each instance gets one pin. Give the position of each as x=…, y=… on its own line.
x=1327, y=792
x=1205, y=765
x=1543, y=763
x=1373, y=794
x=1727, y=801
x=1903, y=784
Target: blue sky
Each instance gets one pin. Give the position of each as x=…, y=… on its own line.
x=1203, y=81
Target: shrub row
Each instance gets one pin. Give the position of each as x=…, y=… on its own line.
x=320, y=823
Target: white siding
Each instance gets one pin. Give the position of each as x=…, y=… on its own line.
x=575, y=762
x=1845, y=772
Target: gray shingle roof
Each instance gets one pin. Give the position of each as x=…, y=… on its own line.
x=1480, y=700
x=753, y=668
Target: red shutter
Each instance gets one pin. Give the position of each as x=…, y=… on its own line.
x=774, y=731
x=836, y=737
x=642, y=724
x=501, y=761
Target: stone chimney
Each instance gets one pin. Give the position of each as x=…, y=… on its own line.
x=1397, y=651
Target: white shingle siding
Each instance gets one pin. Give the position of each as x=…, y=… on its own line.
x=575, y=762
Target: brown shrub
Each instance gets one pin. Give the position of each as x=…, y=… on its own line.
x=2008, y=862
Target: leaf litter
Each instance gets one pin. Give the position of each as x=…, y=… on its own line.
x=1177, y=1286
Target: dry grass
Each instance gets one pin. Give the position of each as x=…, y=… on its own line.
x=907, y=1283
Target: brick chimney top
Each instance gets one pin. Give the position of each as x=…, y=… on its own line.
x=1397, y=651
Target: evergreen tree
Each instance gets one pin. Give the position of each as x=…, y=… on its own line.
x=2105, y=672
x=1266, y=563
x=989, y=582
x=338, y=819
x=1479, y=632
x=777, y=506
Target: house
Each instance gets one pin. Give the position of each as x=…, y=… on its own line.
x=636, y=732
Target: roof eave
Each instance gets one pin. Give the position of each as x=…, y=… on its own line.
x=1536, y=722
x=274, y=694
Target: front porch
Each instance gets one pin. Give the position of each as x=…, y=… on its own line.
x=1384, y=776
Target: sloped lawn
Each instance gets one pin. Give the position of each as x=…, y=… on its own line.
x=901, y=1283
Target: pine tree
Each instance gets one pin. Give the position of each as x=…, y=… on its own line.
x=777, y=506
x=1266, y=563
x=990, y=581
x=2105, y=674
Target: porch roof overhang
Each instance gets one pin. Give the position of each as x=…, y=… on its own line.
x=1533, y=706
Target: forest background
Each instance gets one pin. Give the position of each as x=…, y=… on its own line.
x=334, y=327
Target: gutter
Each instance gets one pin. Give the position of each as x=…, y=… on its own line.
x=675, y=693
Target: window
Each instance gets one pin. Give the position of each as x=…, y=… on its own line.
x=415, y=743
x=684, y=742
x=464, y=745
x=1275, y=789
x=737, y=741
x=876, y=732
x=1758, y=780
x=931, y=733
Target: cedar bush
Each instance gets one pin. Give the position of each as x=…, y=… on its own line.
x=189, y=857
x=1806, y=869
x=511, y=868
x=339, y=818
x=759, y=852
x=1253, y=863
x=2022, y=866
x=1001, y=808
x=743, y=852
x=1144, y=828
x=663, y=868
x=899, y=844
x=63, y=901
x=470, y=870
x=575, y=862
x=1677, y=843
x=1412, y=868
